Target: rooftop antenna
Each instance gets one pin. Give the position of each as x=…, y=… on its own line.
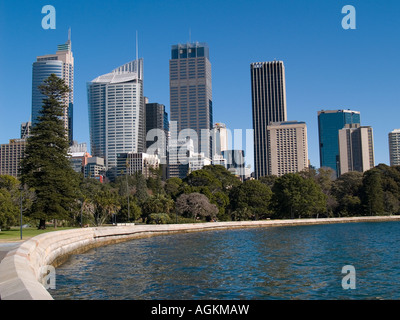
x=190, y=35
x=137, y=49
x=69, y=34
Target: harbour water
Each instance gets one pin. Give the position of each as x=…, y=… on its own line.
x=296, y=262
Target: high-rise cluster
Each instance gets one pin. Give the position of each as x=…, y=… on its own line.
x=129, y=134
x=280, y=146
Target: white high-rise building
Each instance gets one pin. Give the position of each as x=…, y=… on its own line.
x=117, y=114
x=394, y=147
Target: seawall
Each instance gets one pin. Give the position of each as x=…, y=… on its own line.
x=20, y=270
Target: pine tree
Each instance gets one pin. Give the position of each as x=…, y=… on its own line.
x=46, y=167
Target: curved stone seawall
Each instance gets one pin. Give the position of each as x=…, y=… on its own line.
x=20, y=270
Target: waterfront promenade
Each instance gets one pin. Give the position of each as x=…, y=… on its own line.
x=20, y=268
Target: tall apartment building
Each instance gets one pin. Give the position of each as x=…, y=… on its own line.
x=356, y=148
x=288, y=148
x=394, y=147
x=11, y=155
x=117, y=114
x=329, y=124
x=191, y=92
x=62, y=65
x=268, y=92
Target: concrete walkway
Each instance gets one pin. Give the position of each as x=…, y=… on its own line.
x=6, y=247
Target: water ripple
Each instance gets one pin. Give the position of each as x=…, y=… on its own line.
x=302, y=262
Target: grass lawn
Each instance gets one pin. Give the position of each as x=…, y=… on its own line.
x=14, y=233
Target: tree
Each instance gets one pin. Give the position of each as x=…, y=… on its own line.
x=46, y=167
x=8, y=210
x=294, y=195
x=196, y=206
x=252, y=195
x=347, y=190
x=372, y=193
x=156, y=204
x=172, y=187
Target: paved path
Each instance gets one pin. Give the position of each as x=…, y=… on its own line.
x=5, y=247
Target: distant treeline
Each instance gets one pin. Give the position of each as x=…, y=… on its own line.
x=213, y=194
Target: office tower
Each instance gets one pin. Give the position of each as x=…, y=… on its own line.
x=356, y=148
x=268, y=92
x=62, y=65
x=394, y=147
x=157, y=118
x=220, y=139
x=329, y=124
x=191, y=92
x=11, y=155
x=25, y=130
x=288, y=149
x=117, y=114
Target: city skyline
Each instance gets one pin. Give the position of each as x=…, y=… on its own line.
x=335, y=75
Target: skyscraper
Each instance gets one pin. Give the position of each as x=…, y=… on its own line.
x=157, y=118
x=356, y=148
x=268, y=92
x=329, y=124
x=288, y=148
x=191, y=92
x=394, y=147
x=117, y=114
x=62, y=65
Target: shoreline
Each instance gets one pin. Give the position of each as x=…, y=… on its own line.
x=21, y=270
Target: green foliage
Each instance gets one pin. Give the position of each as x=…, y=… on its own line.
x=156, y=204
x=295, y=196
x=173, y=187
x=346, y=190
x=8, y=210
x=372, y=193
x=250, y=200
x=159, y=218
x=46, y=167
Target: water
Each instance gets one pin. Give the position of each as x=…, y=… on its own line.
x=302, y=262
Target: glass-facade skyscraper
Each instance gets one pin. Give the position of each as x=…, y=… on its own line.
x=117, y=114
x=191, y=91
x=329, y=124
x=62, y=65
x=268, y=92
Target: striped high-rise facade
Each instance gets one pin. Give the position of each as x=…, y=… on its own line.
x=117, y=114
x=62, y=65
x=268, y=91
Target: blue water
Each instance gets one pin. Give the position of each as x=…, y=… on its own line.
x=302, y=262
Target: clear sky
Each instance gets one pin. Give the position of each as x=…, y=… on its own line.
x=327, y=67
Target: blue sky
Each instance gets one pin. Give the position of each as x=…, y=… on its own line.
x=327, y=67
